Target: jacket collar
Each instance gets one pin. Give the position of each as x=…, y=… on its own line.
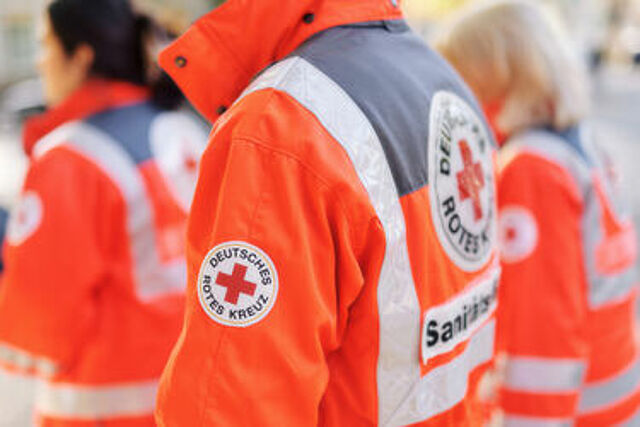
x=217, y=57
x=91, y=98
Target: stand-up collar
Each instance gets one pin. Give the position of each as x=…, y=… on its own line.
x=219, y=55
x=91, y=98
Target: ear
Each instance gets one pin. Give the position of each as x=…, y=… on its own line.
x=83, y=58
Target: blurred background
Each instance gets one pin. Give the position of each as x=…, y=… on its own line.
x=606, y=33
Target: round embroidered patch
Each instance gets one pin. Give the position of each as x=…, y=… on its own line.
x=237, y=284
x=518, y=233
x=25, y=218
x=461, y=181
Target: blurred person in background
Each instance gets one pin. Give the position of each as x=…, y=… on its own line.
x=92, y=292
x=567, y=297
x=342, y=226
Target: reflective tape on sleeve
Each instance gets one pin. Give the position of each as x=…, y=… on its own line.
x=91, y=402
x=612, y=289
x=543, y=375
x=24, y=361
x=606, y=393
x=521, y=421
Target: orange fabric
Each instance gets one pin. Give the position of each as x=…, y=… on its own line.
x=608, y=361
x=215, y=60
x=545, y=285
x=313, y=359
x=67, y=293
x=608, y=417
x=430, y=263
x=169, y=218
x=549, y=284
x=552, y=405
x=544, y=311
x=618, y=250
x=246, y=185
x=120, y=422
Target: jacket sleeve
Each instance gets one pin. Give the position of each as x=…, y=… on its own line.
x=273, y=371
x=543, y=292
x=53, y=264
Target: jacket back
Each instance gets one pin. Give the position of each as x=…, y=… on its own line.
x=92, y=294
x=342, y=262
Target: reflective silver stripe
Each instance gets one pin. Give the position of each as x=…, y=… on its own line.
x=24, y=361
x=611, y=289
x=446, y=385
x=73, y=401
x=151, y=276
x=603, y=289
x=606, y=393
x=520, y=421
x=401, y=392
x=633, y=421
x=16, y=405
x=544, y=375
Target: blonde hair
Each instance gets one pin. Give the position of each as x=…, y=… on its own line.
x=513, y=52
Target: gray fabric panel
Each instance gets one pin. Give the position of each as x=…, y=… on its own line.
x=392, y=76
x=129, y=127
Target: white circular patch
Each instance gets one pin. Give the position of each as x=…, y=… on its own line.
x=237, y=284
x=25, y=218
x=518, y=233
x=461, y=181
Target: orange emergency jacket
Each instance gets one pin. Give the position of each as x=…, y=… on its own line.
x=341, y=251
x=569, y=288
x=91, y=298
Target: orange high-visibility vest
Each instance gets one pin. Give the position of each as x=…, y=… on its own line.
x=569, y=290
x=342, y=263
x=91, y=298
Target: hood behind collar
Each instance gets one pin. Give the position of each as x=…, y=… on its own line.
x=215, y=60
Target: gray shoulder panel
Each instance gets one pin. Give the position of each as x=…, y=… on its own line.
x=392, y=76
x=558, y=149
x=129, y=127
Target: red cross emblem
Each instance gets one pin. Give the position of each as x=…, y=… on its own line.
x=236, y=284
x=190, y=162
x=470, y=179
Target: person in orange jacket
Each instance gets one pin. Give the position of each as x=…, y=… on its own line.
x=92, y=294
x=567, y=298
x=342, y=262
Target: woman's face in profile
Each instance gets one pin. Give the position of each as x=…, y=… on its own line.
x=61, y=72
